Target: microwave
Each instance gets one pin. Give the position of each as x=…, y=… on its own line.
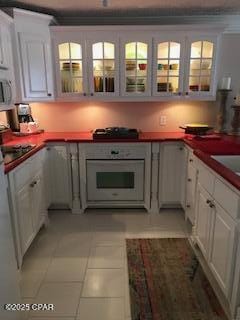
x=5, y=94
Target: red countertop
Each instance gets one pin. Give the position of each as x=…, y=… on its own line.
x=203, y=148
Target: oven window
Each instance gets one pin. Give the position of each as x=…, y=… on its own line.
x=1, y=93
x=115, y=180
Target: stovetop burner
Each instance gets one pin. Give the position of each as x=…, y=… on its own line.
x=115, y=133
x=11, y=153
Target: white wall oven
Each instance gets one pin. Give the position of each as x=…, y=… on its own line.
x=115, y=175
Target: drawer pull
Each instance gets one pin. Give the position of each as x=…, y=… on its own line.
x=211, y=205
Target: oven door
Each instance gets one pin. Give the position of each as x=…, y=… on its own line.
x=115, y=180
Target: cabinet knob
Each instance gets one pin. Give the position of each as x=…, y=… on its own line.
x=32, y=184
x=211, y=205
x=190, y=160
x=179, y=93
x=49, y=94
x=181, y=148
x=48, y=148
x=186, y=93
x=84, y=94
x=189, y=179
x=91, y=94
x=188, y=206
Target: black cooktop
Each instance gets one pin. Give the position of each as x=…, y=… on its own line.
x=11, y=153
x=115, y=133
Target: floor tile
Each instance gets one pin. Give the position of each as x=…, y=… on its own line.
x=50, y=318
x=64, y=296
x=107, y=257
x=30, y=283
x=108, y=238
x=103, y=283
x=74, y=245
x=101, y=309
x=66, y=269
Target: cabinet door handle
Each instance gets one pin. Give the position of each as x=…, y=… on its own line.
x=189, y=179
x=211, y=205
x=208, y=201
x=84, y=94
x=91, y=94
x=49, y=94
x=188, y=206
x=180, y=148
x=186, y=93
x=190, y=160
x=32, y=184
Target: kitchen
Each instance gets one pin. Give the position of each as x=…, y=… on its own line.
x=82, y=198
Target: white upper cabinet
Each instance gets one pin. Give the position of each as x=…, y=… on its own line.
x=36, y=66
x=168, y=67
x=114, y=63
x=200, y=68
x=34, y=56
x=71, y=68
x=103, y=68
x=5, y=42
x=136, y=66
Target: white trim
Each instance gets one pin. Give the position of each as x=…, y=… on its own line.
x=6, y=17
x=201, y=28
x=24, y=13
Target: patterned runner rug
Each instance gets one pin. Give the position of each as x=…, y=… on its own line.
x=168, y=283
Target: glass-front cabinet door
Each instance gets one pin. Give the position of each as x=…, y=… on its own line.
x=71, y=69
x=200, y=73
x=168, y=68
x=136, y=66
x=103, y=68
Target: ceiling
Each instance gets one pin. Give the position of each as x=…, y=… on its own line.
x=62, y=9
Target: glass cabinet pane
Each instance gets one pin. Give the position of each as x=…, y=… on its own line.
x=136, y=65
x=168, y=67
x=201, y=66
x=103, y=66
x=70, y=61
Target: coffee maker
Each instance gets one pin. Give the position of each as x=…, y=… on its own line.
x=20, y=114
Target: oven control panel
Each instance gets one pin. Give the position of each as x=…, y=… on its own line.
x=116, y=151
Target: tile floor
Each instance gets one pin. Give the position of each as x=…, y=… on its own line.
x=79, y=262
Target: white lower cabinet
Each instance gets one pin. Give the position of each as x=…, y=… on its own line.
x=222, y=249
x=24, y=211
x=203, y=213
x=191, y=184
x=27, y=201
x=59, y=186
x=172, y=174
x=215, y=232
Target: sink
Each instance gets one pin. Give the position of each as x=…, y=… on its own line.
x=231, y=162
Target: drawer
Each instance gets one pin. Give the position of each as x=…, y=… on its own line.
x=191, y=158
x=206, y=178
x=27, y=170
x=37, y=161
x=227, y=198
x=22, y=174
